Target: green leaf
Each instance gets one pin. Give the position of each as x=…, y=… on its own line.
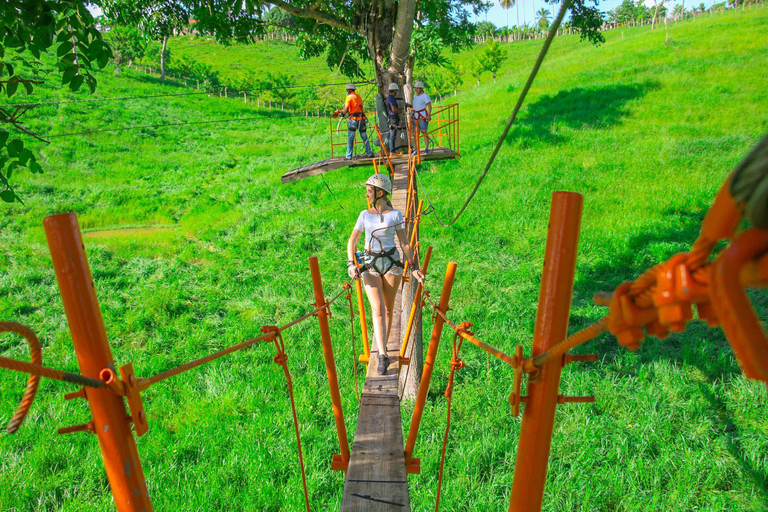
x=14, y=148
x=64, y=48
x=25, y=156
x=3, y=137
x=8, y=196
x=11, y=87
x=35, y=167
x=103, y=58
x=76, y=82
x=29, y=87
x=68, y=75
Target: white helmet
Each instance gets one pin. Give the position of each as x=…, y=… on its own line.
x=419, y=84
x=351, y=86
x=381, y=181
x=393, y=87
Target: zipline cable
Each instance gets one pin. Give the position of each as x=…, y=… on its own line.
x=552, y=32
x=126, y=98
x=185, y=123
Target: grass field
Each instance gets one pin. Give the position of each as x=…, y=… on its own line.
x=646, y=131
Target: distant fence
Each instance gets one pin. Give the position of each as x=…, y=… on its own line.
x=532, y=34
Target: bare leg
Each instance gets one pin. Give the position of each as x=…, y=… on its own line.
x=374, y=291
x=391, y=284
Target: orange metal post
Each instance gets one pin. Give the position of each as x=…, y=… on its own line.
x=551, y=327
x=429, y=364
x=340, y=462
x=415, y=230
x=364, y=358
x=414, y=309
x=111, y=421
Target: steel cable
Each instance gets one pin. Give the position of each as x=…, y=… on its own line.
x=544, y=49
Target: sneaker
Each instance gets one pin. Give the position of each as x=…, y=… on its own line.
x=382, y=368
x=370, y=156
x=349, y=158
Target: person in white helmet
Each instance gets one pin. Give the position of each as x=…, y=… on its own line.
x=381, y=268
x=422, y=111
x=353, y=107
x=393, y=116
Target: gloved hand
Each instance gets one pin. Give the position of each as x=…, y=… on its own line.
x=336, y=113
x=416, y=274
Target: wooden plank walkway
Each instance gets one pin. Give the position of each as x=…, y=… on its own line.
x=376, y=479
x=337, y=162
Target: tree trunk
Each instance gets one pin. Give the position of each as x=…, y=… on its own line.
x=408, y=89
x=162, y=59
x=401, y=44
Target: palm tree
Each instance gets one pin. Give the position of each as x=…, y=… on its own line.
x=544, y=16
x=506, y=4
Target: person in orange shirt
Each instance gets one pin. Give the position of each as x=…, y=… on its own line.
x=353, y=107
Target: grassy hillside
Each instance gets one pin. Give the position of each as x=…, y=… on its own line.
x=645, y=130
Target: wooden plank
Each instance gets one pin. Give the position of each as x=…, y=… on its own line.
x=337, y=162
x=376, y=479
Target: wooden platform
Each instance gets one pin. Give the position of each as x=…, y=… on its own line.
x=337, y=162
x=376, y=478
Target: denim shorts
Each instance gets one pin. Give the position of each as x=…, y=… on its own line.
x=381, y=265
x=423, y=125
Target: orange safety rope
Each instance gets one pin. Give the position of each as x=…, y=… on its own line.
x=456, y=364
x=145, y=383
x=282, y=359
x=354, y=352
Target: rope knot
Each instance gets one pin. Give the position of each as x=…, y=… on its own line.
x=270, y=329
x=464, y=327
x=281, y=358
x=457, y=364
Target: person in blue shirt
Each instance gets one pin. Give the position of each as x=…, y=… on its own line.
x=393, y=115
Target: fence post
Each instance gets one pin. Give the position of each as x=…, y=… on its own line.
x=551, y=327
x=111, y=422
x=339, y=462
x=412, y=464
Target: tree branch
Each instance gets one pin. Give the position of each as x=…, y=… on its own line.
x=315, y=14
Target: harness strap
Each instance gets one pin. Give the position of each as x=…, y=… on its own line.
x=384, y=255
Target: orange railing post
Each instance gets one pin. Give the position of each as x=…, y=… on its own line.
x=111, y=422
x=415, y=225
x=415, y=307
x=339, y=462
x=412, y=464
x=551, y=327
x=364, y=358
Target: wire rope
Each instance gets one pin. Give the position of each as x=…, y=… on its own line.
x=544, y=49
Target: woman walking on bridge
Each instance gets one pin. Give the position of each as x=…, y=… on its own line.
x=381, y=268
